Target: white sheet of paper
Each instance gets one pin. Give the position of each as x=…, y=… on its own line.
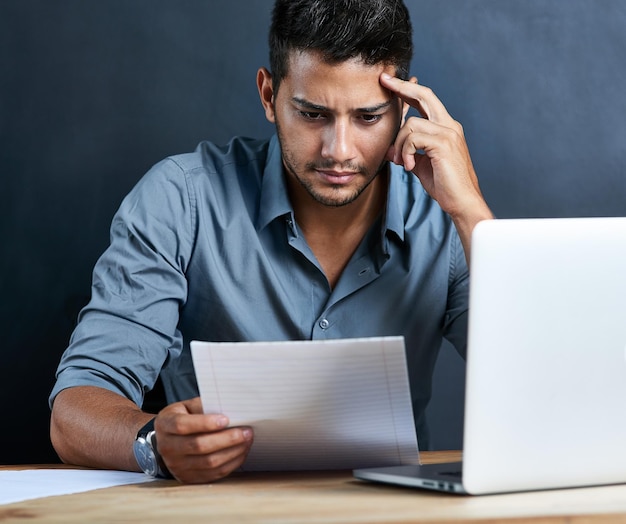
x=17, y=486
x=332, y=404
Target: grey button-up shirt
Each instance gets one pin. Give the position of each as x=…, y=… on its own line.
x=206, y=246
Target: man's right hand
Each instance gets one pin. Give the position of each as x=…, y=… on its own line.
x=198, y=448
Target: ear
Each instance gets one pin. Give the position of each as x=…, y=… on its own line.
x=266, y=93
x=405, y=105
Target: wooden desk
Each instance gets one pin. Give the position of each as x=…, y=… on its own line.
x=317, y=497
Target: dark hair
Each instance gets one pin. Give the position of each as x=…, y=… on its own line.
x=376, y=31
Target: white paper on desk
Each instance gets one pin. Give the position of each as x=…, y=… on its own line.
x=16, y=486
x=332, y=404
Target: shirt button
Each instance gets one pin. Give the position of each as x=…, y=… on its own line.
x=324, y=323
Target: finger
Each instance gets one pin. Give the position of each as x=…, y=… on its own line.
x=405, y=153
x=193, y=405
x=206, y=457
x=183, y=418
x=190, y=406
x=419, y=97
x=412, y=138
x=206, y=443
x=212, y=467
x=439, y=147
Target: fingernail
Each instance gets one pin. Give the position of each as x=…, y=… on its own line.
x=221, y=421
x=247, y=433
x=387, y=76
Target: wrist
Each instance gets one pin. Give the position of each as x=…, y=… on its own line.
x=147, y=454
x=466, y=221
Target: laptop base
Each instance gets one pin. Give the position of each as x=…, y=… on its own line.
x=438, y=477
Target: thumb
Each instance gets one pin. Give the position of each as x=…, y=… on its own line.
x=192, y=406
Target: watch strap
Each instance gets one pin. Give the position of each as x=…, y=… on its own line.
x=149, y=426
x=148, y=433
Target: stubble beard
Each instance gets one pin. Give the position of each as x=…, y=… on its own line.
x=336, y=198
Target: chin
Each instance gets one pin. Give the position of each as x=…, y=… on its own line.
x=336, y=199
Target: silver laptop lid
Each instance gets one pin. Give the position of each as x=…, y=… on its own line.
x=545, y=402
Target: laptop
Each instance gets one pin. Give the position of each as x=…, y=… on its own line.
x=545, y=399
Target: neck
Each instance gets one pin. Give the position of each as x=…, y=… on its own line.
x=334, y=233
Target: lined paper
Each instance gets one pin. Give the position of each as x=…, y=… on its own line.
x=332, y=404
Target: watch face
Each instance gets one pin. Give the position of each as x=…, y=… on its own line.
x=146, y=457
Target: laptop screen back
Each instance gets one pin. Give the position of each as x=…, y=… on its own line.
x=546, y=366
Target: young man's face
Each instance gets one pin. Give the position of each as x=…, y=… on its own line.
x=335, y=123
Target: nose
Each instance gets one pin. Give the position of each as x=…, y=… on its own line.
x=339, y=142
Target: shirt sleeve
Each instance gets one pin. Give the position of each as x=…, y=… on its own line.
x=129, y=328
x=456, y=320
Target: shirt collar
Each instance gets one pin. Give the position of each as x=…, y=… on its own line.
x=275, y=200
x=274, y=197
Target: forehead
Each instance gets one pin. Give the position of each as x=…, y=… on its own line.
x=352, y=81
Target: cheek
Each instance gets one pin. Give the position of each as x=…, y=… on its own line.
x=376, y=144
x=301, y=147
x=302, y=138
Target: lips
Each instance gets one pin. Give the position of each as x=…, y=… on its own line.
x=337, y=177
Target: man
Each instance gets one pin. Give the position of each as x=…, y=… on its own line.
x=353, y=221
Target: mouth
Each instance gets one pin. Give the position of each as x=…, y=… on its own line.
x=337, y=177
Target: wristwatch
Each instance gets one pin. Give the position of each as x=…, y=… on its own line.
x=147, y=455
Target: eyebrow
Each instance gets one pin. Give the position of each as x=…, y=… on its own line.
x=316, y=107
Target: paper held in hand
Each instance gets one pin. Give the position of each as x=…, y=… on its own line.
x=332, y=404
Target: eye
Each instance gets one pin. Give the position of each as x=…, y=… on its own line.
x=371, y=119
x=311, y=115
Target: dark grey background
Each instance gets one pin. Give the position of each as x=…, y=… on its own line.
x=93, y=93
